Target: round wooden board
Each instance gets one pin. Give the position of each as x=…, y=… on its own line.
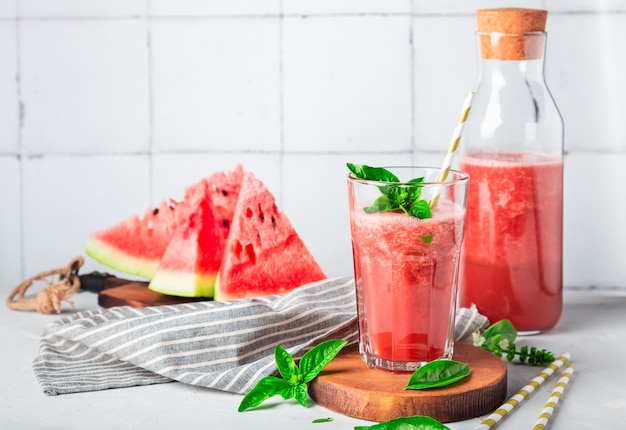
x=348, y=386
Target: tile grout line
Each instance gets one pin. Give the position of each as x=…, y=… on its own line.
x=281, y=102
x=20, y=143
x=412, y=91
x=150, y=103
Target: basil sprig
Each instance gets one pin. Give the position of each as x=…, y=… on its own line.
x=499, y=339
x=404, y=197
x=417, y=422
x=437, y=373
x=293, y=384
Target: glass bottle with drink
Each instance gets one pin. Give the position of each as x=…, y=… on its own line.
x=513, y=151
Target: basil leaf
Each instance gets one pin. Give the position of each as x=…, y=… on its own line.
x=504, y=328
x=394, y=196
x=417, y=422
x=381, y=204
x=421, y=210
x=438, y=373
x=286, y=365
x=322, y=420
x=263, y=390
x=417, y=191
x=300, y=393
x=314, y=360
x=363, y=171
x=427, y=239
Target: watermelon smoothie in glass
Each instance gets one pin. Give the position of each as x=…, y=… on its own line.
x=406, y=270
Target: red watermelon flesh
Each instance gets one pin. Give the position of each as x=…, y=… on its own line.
x=137, y=245
x=264, y=254
x=189, y=265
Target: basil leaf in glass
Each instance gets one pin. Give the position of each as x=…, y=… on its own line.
x=363, y=171
x=395, y=197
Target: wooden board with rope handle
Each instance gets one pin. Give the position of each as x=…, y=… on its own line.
x=49, y=299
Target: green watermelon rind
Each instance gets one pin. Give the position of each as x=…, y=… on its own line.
x=115, y=259
x=167, y=282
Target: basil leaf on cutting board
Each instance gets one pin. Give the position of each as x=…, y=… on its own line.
x=437, y=373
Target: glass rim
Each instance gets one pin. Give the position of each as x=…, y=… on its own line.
x=461, y=177
x=500, y=33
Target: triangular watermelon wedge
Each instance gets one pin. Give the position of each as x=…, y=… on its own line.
x=264, y=254
x=190, y=263
x=136, y=244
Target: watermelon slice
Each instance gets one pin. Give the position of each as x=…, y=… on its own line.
x=264, y=254
x=137, y=245
x=190, y=263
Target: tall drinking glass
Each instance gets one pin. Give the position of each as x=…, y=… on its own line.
x=406, y=269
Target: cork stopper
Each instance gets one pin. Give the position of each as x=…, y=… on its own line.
x=511, y=33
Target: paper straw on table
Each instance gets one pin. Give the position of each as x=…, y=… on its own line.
x=557, y=392
x=454, y=145
x=522, y=394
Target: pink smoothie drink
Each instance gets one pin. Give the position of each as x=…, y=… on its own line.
x=512, y=251
x=406, y=270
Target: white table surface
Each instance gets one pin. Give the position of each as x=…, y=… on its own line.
x=592, y=329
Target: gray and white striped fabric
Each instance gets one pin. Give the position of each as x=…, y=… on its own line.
x=221, y=345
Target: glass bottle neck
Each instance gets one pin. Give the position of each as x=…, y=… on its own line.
x=511, y=57
x=509, y=71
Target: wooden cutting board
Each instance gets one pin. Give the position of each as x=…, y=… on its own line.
x=348, y=386
x=137, y=295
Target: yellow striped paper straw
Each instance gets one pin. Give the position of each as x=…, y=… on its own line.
x=522, y=394
x=454, y=145
x=557, y=392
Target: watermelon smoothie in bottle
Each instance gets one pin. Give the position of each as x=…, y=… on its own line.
x=406, y=270
x=512, y=148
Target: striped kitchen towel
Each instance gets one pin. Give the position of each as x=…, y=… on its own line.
x=221, y=345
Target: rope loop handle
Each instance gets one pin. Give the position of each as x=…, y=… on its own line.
x=49, y=299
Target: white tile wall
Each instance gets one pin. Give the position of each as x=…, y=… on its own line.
x=347, y=83
x=125, y=103
x=9, y=104
x=80, y=8
x=202, y=96
x=84, y=85
x=10, y=224
x=8, y=9
x=595, y=239
x=306, y=7
x=446, y=69
x=65, y=198
x=585, y=71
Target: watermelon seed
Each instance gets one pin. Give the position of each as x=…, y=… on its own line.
x=273, y=222
x=261, y=217
x=251, y=253
x=225, y=193
x=155, y=211
x=225, y=222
